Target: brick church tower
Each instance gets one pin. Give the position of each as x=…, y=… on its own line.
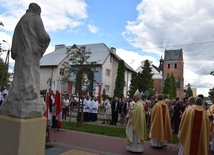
x=173, y=63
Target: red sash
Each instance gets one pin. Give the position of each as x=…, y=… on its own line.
x=195, y=136
x=163, y=114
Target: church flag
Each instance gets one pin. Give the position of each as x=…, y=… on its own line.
x=58, y=104
x=47, y=101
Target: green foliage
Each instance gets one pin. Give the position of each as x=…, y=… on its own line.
x=0, y=49
x=167, y=85
x=4, y=72
x=145, y=78
x=211, y=93
x=79, y=59
x=173, y=94
x=77, y=65
x=42, y=92
x=104, y=96
x=120, y=80
x=75, y=71
x=188, y=92
x=106, y=130
x=169, y=89
x=101, y=130
x=134, y=85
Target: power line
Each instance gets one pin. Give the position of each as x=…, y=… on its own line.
x=168, y=46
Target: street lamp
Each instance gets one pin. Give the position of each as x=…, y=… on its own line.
x=6, y=63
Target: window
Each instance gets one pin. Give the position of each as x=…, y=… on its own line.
x=168, y=66
x=108, y=72
x=175, y=65
x=107, y=88
x=61, y=71
x=111, y=58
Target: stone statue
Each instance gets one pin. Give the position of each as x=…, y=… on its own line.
x=30, y=40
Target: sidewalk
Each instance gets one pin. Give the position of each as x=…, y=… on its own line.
x=68, y=142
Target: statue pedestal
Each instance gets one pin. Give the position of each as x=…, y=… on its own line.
x=22, y=136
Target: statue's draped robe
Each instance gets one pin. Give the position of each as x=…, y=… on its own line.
x=30, y=40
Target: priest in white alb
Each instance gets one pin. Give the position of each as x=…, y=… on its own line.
x=136, y=126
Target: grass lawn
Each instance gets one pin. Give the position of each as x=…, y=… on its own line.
x=105, y=130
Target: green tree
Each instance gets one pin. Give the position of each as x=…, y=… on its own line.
x=173, y=94
x=120, y=80
x=145, y=78
x=167, y=86
x=188, y=91
x=104, y=96
x=75, y=70
x=4, y=74
x=211, y=93
x=169, y=89
x=134, y=85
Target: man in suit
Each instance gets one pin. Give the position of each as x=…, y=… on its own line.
x=114, y=109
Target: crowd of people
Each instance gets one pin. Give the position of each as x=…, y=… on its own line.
x=4, y=93
x=87, y=105
x=190, y=118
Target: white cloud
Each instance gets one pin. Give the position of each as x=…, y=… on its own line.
x=92, y=28
x=160, y=25
x=49, y=49
x=56, y=15
x=182, y=24
x=203, y=86
x=134, y=59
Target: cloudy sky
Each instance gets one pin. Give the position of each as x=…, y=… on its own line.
x=138, y=29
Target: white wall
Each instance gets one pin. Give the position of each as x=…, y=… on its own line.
x=107, y=80
x=52, y=72
x=113, y=66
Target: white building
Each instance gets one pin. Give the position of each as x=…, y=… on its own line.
x=105, y=69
